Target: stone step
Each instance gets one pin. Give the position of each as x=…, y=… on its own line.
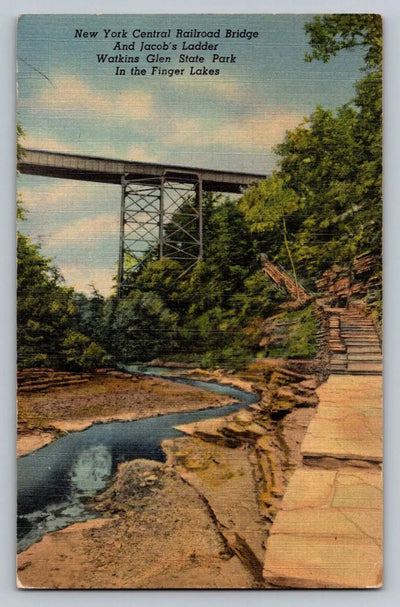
x=354, y=317
x=367, y=356
x=373, y=349
x=363, y=358
x=356, y=325
x=338, y=350
x=363, y=350
x=351, y=327
x=363, y=373
x=356, y=321
x=344, y=333
x=353, y=343
x=328, y=531
x=348, y=331
x=362, y=343
x=335, y=342
x=364, y=367
x=363, y=340
x=337, y=368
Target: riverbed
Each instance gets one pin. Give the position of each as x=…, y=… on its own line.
x=55, y=482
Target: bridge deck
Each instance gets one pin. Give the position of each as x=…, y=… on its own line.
x=107, y=170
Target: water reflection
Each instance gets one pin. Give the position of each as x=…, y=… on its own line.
x=91, y=470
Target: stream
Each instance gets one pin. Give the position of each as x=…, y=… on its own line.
x=55, y=481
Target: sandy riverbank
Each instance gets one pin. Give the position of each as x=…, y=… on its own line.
x=46, y=414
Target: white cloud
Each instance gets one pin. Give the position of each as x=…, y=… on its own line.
x=139, y=154
x=45, y=143
x=254, y=133
x=64, y=195
x=87, y=232
x=261, y=131
x=214, y=90
x=81, y=279
x=72, y=94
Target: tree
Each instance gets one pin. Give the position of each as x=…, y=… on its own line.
x=203, y=308
x=320, y=164
x=46, y=311
x=44, y=307
x=89, y=314
x=330, y=34
x=332, y=161
x=142, y=327
x=46, y=314
x=269, y=207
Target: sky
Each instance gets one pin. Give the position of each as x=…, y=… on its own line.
x=69, y=101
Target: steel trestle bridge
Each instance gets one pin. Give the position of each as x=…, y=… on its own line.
x=161, y=205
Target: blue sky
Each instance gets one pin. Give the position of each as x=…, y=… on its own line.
x=231, y=121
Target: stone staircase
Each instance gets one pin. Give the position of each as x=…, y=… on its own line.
x=353, y=342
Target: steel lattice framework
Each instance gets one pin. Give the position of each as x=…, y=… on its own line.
x=160, y=218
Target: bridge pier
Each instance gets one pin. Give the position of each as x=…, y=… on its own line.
x=161, y=217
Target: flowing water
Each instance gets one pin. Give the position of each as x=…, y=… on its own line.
x=54, y=482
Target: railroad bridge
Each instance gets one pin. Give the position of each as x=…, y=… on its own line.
x=152, y=195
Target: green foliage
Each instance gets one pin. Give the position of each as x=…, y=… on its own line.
x=271, y=209
x=295, y=334
x=330, y=34
x=264, y=205
x=166, y=278
x=142, y=327
x=89, y=315
x=323, y=206
x=321, y=164
x=47, y=310
x=171, y=309
x=45, y=314
x=81, y=354
x=44, y=307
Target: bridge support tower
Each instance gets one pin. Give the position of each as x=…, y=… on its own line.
x=161, y=217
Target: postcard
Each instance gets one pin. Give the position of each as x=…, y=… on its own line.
x=199, y=301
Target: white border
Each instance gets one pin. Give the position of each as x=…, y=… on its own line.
x=11, y=597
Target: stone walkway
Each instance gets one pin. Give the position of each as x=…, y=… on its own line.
x=328, y=533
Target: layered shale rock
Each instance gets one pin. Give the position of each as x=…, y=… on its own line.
x=240, y=465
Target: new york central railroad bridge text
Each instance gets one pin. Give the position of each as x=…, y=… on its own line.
x=138, y=33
